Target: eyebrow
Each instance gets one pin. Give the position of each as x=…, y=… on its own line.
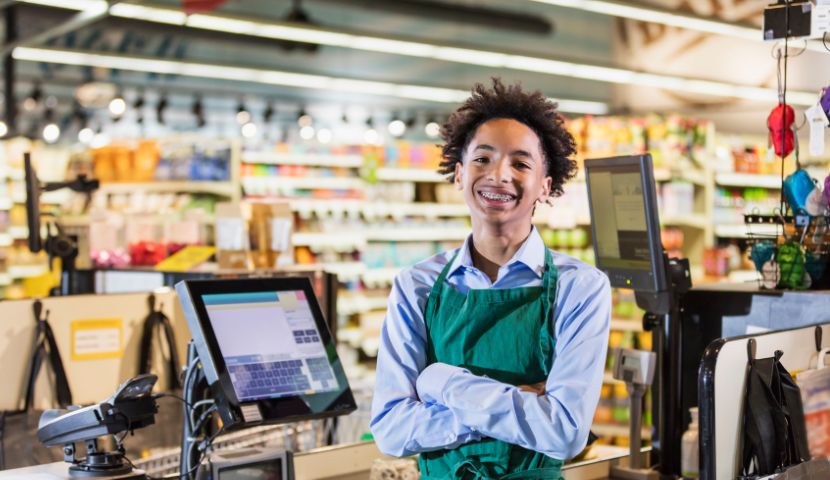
x=490, y=148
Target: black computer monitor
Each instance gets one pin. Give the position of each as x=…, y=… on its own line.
x=32, y=203
x=624, y=222
x=265, y=350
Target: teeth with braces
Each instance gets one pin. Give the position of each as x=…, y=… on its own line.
x=496, y=196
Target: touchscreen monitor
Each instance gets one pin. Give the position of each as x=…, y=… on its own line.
x=625, y=223
x=266, y=350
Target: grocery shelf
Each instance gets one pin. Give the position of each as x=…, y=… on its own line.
x=6, y=239
x=743, y=276
x=742, y=230
x=307, y=159
x=5, y=279
x=359, y=239
x=696, y=220
x=334, y=240
x=748, y=180
x=417, y=234
x=409, y=175
x=380, y=276
x=626, y=325
x=6, y=203
x=265, y=185
x=378, y=209
x=690, y=175
x=226, y=189
x=345, y=271
x=353, y=304
x=604, y=430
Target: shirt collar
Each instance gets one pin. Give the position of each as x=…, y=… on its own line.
x=531, y=254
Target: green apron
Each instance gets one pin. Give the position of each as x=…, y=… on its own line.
x=505, y=334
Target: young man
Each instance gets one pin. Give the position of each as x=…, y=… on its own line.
x=492, y=355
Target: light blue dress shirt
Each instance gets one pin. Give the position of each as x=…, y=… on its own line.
x=418, y=408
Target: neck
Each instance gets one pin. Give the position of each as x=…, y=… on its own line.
x=494, y=245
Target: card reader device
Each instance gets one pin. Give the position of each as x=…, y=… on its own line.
x=636, y=369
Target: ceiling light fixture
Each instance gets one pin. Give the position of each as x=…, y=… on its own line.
x=673, y=19
x=51, y=133
x=370, y=136
x=324, y=135
x=273, y=77
x=432, y=129
x=160, y=108
x=462, y=55
x=396, y=127
x=242, y=115
x=249, y=130
x=118, y=106
x=85, y=135
x=307, y=132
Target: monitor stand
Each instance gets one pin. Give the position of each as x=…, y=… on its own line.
x=663, y=318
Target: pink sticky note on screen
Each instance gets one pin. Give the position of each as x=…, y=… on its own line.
x=300, y=295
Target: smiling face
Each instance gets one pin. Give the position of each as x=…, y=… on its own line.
x=503, y=173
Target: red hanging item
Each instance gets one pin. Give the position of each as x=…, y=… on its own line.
x=784, y=144
x=200, y=6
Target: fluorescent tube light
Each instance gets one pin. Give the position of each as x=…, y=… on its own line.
x=688, y=22
x=465, y=55
x=272, y=77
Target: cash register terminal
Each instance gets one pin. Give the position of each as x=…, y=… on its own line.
x=261, y=354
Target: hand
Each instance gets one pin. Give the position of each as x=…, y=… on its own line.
x=537, y=388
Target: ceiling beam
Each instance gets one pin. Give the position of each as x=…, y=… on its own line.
x=452, y=12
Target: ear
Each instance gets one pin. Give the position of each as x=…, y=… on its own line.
x=459, y=171
x=545, y=190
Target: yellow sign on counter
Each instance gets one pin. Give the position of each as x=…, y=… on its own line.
x=96, y=339
x=185, y=259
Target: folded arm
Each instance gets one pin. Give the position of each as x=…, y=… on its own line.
x=401, y=424
x=555, y=423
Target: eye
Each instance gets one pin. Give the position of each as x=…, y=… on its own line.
x=522, y=165
x=481, y=159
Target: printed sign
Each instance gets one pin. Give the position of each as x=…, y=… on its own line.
x=97, y=339
x=185, y=259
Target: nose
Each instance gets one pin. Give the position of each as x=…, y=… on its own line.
x=501, y=171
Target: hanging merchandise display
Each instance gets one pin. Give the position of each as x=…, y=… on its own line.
x=797, y=188
x=784, y=144
x=816, y=116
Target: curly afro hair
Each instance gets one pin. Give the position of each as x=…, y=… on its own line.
x=532, y=109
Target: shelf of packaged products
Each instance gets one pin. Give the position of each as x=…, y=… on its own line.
x=380, y=276
x=11, y=173
x=6, y=239
x=26, y=271
x=695, y=220
x=358, y=239
x=743, y=276
x=272, y=185
x=409, y=175
x=748, y=180
x=227, y=189
x=356, y=304
x=607, y=430
x=626, y=325
x=6, y=203
x=743, y=230
x=305, y=159
x=5, y=279
x=690, y=175
x=323, y=207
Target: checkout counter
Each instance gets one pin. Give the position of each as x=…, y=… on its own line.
x=254, y=384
